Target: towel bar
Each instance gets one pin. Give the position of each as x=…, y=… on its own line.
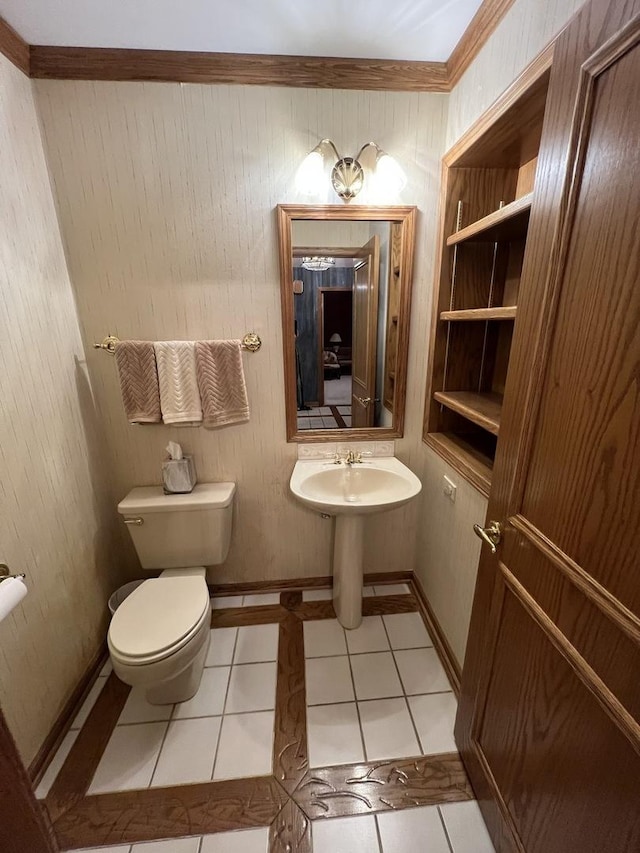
x=250, y=342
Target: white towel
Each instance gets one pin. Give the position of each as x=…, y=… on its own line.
x=179, y=395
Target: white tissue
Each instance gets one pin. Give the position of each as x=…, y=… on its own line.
x=12, y=591
x=174, y=450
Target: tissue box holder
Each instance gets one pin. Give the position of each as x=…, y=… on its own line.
x=179, y=475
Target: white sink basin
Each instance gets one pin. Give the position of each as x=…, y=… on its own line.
x=373, y=486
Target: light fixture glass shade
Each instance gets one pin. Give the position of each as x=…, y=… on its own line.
x=310, y=178
x=390, y=177
x=318, y=264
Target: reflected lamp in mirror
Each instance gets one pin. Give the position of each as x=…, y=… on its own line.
x=347, y=173
x=346, y=335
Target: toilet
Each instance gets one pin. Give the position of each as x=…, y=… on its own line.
x=159, y=636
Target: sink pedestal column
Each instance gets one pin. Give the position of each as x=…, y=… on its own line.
x=347, y=569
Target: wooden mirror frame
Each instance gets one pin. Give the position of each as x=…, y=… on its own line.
x=406, y=217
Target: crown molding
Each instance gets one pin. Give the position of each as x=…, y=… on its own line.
x=14, y=47
x=322, y=72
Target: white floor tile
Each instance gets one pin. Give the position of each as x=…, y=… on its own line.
x=252, y=687
x=387, y=729
x=257, y=643
x=245, y=746
x=412, y=829
x=119, y=849
x=138, y=710
x=240, y=841
x=107, y=669
x=328, y=680
x=324, y=638
x=317, y=594
x=345, y=835
x=434, y=716
x=171, y=845
x=407, y=631
x=368, y=592
x=56, y=764
x=392, y=589
x=466, y=828
x=375, y=676
x=221, y=647
x=209, y=700
x=260, y=599
x=225, y=601
x=88, y=703
x=333, y=733
x=369, y=637
x=188, y=752
x=421, y=671
x=129, y=758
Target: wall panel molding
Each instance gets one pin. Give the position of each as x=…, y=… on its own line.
x=481, y=26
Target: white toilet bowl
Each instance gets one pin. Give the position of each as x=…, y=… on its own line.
x=159, y=636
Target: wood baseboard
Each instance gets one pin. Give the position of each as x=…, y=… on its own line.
x=61, y=726
x=303, y=583
x=441, y=644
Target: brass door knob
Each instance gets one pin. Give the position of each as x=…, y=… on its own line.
x=492, y=534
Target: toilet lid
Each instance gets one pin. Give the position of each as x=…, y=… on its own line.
x=158, y=615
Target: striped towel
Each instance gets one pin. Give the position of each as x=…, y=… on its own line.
x=221, y=382
x=179, y=396
x=136, y=363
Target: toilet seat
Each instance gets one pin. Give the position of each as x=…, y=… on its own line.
x=158, y=619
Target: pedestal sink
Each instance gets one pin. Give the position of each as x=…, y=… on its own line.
x=350, y=492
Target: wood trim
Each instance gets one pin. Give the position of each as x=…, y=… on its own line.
x=62, y=723
x=14, y=48
x=482, y=26
x=536, y=69
x=440, y=642
x=290, y=753
x=74, y=778
x=319, y=582
x=463, y=458
x=379, y=786
x=607, y=603
x=126, y=817
x=607, y=700
x=290, y=831
x=406, y=216
x=171, y=66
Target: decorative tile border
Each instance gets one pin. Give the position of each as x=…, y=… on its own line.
x=329, y=449
x=287, y=801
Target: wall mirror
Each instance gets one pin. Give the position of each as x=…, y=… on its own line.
x=346, y=277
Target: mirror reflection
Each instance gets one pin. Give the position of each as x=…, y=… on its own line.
x=345, y=280
x=346, y=292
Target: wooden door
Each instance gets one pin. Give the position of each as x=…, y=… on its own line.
x=365, y=334
x=22, y=823
x=548, y=721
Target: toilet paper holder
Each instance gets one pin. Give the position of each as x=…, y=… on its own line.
x=5, y=573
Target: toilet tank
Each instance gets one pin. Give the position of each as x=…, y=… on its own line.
x=180, y=531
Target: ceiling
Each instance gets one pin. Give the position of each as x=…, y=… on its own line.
x=362, y=29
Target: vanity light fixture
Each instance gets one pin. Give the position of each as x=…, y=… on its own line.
x=318, y=264
x=347, y=174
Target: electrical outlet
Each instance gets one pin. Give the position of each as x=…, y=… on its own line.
x=449, y=488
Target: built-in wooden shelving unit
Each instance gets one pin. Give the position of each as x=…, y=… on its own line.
x=488, y=187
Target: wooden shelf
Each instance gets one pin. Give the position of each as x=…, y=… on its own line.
x=482, y=409
x=499, y=313
x=474, y=465
x=508, y=223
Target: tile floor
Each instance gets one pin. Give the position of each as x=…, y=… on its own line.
x=377, y=692
x=374, y=693
x=450, y=828
x=323, y=418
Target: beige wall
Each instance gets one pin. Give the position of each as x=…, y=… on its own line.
x=166, y=196
x=54, y=517
x=447, y=549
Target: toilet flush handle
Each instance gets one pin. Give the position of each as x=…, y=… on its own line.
x=138, y=521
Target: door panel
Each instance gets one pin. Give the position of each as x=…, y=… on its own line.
x=549, y=715
x=365, y=336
